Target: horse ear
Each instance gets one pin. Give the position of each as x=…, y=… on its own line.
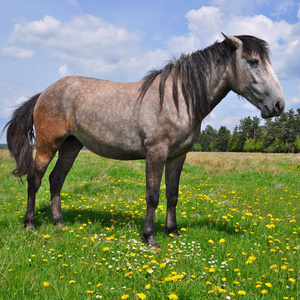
x=233, y=41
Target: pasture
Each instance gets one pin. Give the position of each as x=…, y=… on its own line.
x=238, y=216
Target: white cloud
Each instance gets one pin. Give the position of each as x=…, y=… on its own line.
x=230, y=121
x=85, y=41
x=64, y=71
x=16, y=52
x=294, y=100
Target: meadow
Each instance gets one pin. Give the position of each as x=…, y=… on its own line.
x=238, y=216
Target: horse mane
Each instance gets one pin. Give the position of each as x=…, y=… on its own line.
x=196, y=68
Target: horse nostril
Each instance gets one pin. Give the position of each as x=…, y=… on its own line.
x=278, y=107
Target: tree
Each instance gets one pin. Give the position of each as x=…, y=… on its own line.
x=223, y=139
x=207, y=139
x=297, y=144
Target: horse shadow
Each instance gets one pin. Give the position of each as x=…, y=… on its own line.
x=125, y=219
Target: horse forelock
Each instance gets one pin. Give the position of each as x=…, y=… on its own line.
x=255, y=46
x=195, y=69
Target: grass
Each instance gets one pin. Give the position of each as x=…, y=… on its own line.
x=238, y=216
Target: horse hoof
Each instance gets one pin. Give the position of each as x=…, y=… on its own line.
x=29, y=226
x=59, y=224
x=151, y=242
x=172, y=233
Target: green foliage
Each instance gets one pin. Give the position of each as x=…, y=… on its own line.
x=277, y=135
x=239, y=229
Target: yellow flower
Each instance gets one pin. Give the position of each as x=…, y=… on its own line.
x=222, y=241
x=45, y=283
x=72, y=281
x=211, y=270
x=141, y=296
x=264, y=292
x=125, y=297
x=46, y=236
x=105, y=249
x=242, y=293
x=292, y=280
x=211, y=241
x=173, y=297
x=148, y=286
x=268, y=284
x=90, y=292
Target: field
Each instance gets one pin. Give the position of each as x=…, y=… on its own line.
x=238, y=216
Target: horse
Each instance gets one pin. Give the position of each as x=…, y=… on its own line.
x=157, y=119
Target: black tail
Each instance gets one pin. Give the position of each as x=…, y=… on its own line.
x=20, y=136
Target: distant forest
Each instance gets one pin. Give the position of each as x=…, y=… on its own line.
x=277, y=135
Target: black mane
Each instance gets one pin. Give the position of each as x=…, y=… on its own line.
x=195, y=70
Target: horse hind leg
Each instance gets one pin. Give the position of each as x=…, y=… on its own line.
x=34, y=179
x=66, y=157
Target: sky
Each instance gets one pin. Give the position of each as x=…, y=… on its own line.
x=42, y=41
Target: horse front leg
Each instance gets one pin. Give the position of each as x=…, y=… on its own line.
x=173, y=171
x=155, y=161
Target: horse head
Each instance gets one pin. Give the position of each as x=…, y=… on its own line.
x=255, y=78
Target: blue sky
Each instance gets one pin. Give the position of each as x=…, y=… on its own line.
x=42, y=41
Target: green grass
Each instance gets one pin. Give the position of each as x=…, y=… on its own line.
x=238, y=216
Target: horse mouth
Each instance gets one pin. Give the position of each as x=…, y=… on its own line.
x=265, y=113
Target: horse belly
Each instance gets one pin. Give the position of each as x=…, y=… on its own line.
x=113, y=143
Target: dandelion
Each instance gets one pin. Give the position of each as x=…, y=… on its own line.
x=125, y=297
x=46, y=236
x=264, y=292
x=292, y=280
x=243, y=293
x=270, y=226
x=90, y=292
x=141, y=296
x=105, y=249
x=268, y=284
x=211, y=270
x=148, y=286
x=173, y=297
x=72, y=281
x=211, y=241
x=46, y=284
x=222, y=241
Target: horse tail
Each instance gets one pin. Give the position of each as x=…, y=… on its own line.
x=20, y=137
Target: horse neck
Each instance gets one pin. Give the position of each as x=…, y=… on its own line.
x=218, y=84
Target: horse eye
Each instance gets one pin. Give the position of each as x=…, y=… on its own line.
x=253, y=62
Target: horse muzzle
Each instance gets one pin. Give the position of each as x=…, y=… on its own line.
x=275, y=110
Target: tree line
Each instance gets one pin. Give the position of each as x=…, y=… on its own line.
x=276, y=135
